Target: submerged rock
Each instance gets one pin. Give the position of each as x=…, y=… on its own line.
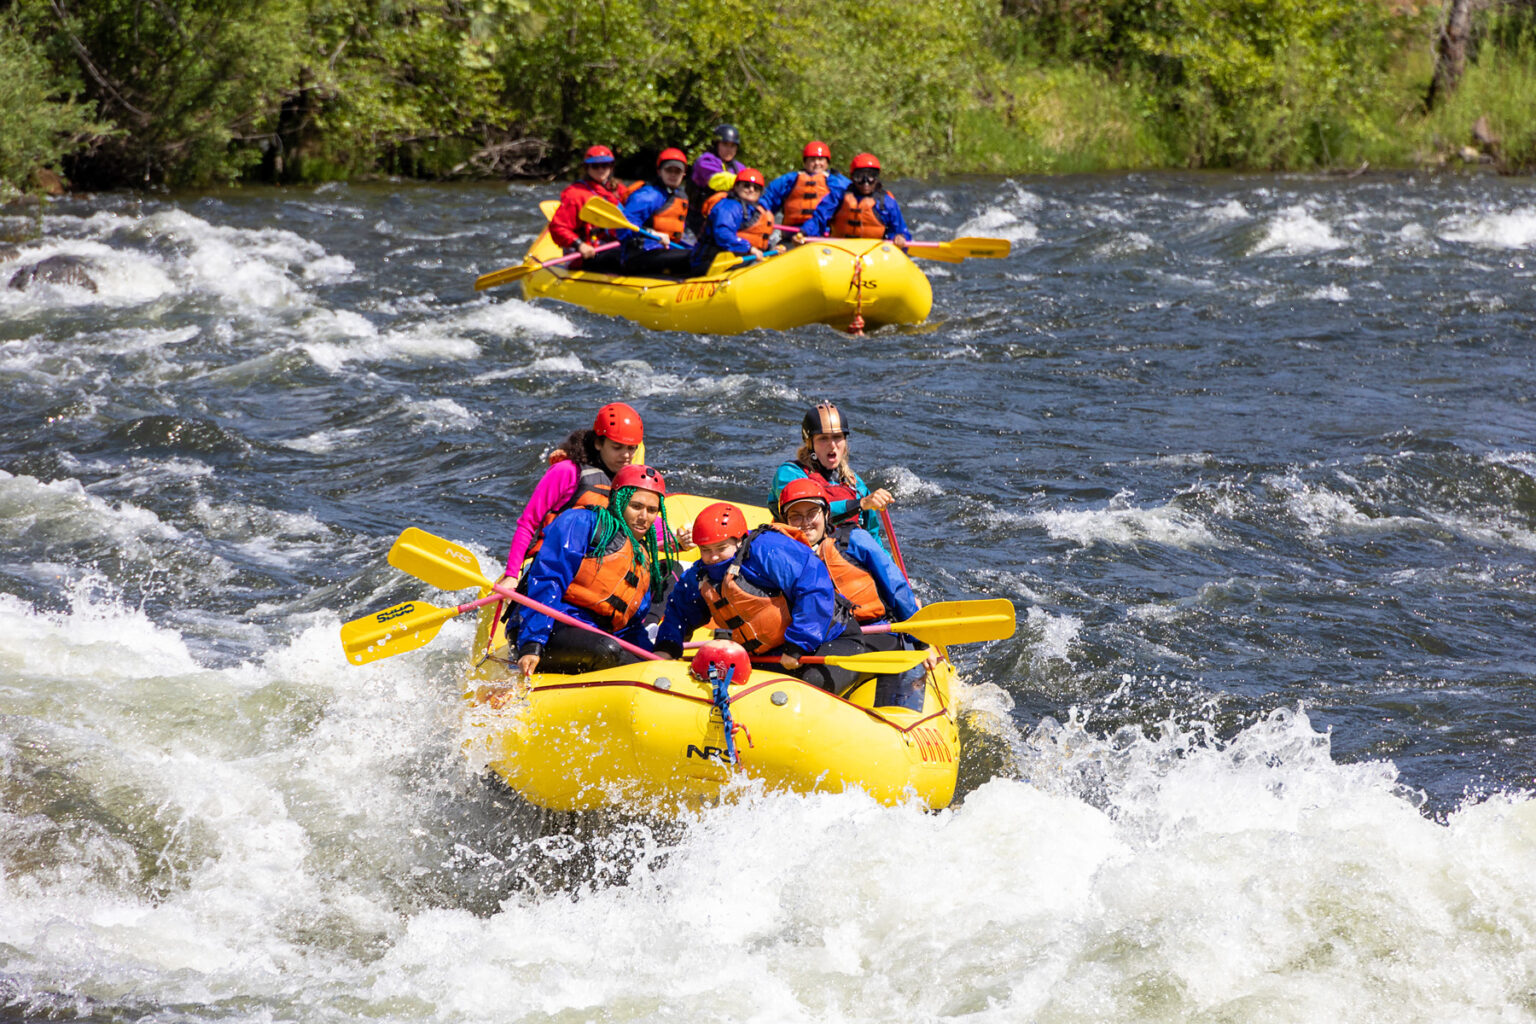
x=73, y=270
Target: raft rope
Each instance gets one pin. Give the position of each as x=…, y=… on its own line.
x=856, y=325
x=721, y=685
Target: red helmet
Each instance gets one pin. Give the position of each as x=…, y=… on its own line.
x=619, y=423
x=722, y=656
x=863, y=161
x=643, y=477
x=720, y=521
x=751, y=176
x=803, y=489
x=598, y=155
x=816, y=149
x=672, y=153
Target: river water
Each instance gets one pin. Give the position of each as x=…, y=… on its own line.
x=1255, y=458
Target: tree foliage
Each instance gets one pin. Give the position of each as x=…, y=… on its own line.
x=201, y=91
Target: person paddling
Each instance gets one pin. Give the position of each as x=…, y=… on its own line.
x=600, y=565
x=867, y=577
x=794, y=196
x=738, y=223
x=568, y=230
x=720, y=156
x=861, y=209
x=660, y=206
x=823, y=457
x=769, y=592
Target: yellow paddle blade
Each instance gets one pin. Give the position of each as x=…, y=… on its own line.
x=506, y=275
x=392, y=631
x=960, y=249
x=937, y=253
x=442, y=563
x=961, y=622
x=880, y=663
x=600, y=213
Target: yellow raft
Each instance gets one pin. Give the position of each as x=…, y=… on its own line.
x=829, y=281
x=649, y=736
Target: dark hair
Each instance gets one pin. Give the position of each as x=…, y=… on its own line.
x=581, y=447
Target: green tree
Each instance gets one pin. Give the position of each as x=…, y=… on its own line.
x=40, y=119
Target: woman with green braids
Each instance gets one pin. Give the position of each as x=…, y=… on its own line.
x=600, y=565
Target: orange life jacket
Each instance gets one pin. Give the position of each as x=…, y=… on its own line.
x=857, y=585
x=757, y=620
x=671, y=219
x=713, y=201
x=592, y=489
x=610, y=584
x=625, y=191
x=807, y=191
x=855, y=217
x=756, y=233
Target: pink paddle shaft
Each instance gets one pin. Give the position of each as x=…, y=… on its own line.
x=569, y=620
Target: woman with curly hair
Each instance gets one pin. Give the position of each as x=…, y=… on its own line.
x=579, y=476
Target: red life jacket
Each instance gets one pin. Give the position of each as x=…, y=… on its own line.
x=807, y=191
x=757, y=620
x=856, y=217
x=671, y=219
x=610, y=584
x=592, y=489
x=857, y=585
x=835, y=492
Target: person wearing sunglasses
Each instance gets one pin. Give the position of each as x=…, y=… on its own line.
x=862, y=209
x=738, y=223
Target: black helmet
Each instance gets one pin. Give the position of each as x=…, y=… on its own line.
x=727, y=133
x=824, y=419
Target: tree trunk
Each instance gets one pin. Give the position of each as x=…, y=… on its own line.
x=1450, y=52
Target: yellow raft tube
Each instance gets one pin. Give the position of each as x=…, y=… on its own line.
x=649, y=736
x=829, y=281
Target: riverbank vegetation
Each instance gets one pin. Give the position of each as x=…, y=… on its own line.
x=196, y=92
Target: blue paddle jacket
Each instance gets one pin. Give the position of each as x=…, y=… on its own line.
x=719, y=235
x=864, y=551
x=554, y=567
x=775, y=564
x=644, y=203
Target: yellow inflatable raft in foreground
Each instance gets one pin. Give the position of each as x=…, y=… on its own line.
x=829, y=281
x=651, y=736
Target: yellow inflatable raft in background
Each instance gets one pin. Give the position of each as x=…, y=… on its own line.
x=650, y=735
x=828, y=281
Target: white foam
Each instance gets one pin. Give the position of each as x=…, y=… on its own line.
x=62, y=510
x=1057, y=633
x=1295, y=231
x=1513, y=229
x=1124, y=525
x=1227, y=212
x=908, y=486
x=996, y=222
x=1330, y=293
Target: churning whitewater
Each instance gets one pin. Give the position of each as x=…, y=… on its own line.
x=1254, y=457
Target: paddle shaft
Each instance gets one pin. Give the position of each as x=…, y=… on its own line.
x=890, y=531
x=509, y=274
x=569, y=620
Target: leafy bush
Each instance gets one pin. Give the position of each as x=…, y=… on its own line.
x=40, y=119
